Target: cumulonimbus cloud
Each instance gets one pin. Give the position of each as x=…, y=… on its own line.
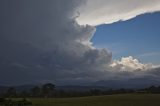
x=41, y=41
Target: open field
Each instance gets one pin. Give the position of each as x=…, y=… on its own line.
x=109, y=100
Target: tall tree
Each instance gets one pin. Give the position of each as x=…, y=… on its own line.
x=48, y=89
x=35, y=91
x=11, y=92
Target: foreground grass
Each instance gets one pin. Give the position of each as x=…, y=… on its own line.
x=110, y=100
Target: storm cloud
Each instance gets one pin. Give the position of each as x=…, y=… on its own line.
x=41, y=41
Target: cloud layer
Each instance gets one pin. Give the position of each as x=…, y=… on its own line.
x=96, y=12
x=41, y=41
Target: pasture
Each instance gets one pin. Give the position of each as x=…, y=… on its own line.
x=108, y=100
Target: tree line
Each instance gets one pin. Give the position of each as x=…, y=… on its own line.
x=49, y=91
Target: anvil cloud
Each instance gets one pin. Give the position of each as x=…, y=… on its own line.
x=96, y=12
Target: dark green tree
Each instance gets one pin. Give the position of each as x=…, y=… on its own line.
x=11, y=92
x=35, y=91
x=48, y=90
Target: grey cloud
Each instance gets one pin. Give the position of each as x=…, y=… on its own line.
x=41, y=41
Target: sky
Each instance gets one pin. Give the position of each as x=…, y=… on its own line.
x=141, y=33
x=79, y=42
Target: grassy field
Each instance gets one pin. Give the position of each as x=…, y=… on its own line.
x=110, y=100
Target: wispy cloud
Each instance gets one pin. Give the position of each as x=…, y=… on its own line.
x=150, y=54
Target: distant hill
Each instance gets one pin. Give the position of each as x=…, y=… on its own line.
x=80, y=88
x=66, y=88
x=136, y=83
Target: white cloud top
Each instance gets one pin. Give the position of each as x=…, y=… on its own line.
x=130, y=64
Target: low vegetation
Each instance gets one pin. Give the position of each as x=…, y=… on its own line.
x=48, y=95
x=10, y=102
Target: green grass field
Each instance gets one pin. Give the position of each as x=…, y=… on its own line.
x=110, y=100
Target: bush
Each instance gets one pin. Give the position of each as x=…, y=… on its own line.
x=9, y=102
x=2, y=100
